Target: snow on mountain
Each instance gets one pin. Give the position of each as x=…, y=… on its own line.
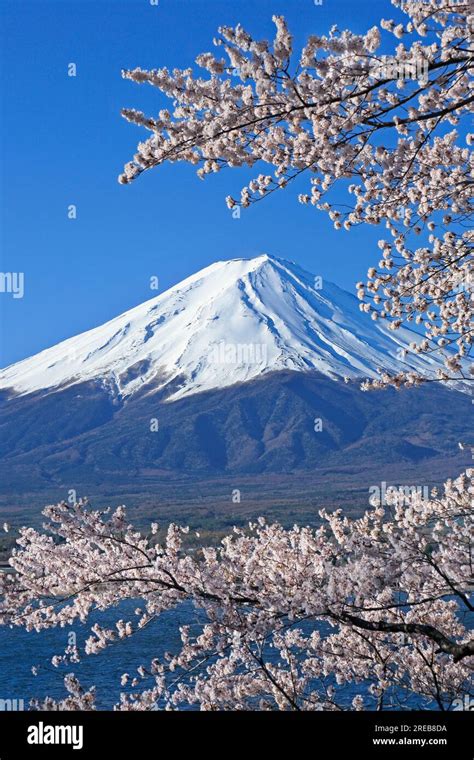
x=228, y=323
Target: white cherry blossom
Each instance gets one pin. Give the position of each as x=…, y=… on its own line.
x=341, y=112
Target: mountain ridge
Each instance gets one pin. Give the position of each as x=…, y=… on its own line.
x=260, y=437
x=230, y=322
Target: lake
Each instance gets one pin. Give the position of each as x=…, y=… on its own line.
x=20, y=650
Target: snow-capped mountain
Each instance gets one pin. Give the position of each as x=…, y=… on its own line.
x=228, y=323
x=268, y=347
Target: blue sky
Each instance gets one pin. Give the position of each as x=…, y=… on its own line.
x=64, y=142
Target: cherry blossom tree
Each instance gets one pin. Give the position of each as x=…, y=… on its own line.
x=388, y=128
x=379, y=607
x=287, y=619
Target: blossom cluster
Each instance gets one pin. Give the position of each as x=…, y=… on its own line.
x=334, y=116
x=287, y=619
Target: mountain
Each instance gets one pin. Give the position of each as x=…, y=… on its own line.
x=231, y=322
x=230, y=380
x=258, y=437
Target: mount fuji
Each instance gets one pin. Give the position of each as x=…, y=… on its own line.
x=231, y=379
x=231, y=322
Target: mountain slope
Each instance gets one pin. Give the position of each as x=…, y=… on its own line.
x=231, y=322
x=257, y=436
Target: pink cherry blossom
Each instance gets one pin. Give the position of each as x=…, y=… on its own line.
x=289, y=617
x=341, y=111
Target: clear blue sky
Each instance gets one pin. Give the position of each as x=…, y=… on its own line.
x=64, y=142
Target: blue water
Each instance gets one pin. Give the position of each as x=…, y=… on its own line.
x=20, y=650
